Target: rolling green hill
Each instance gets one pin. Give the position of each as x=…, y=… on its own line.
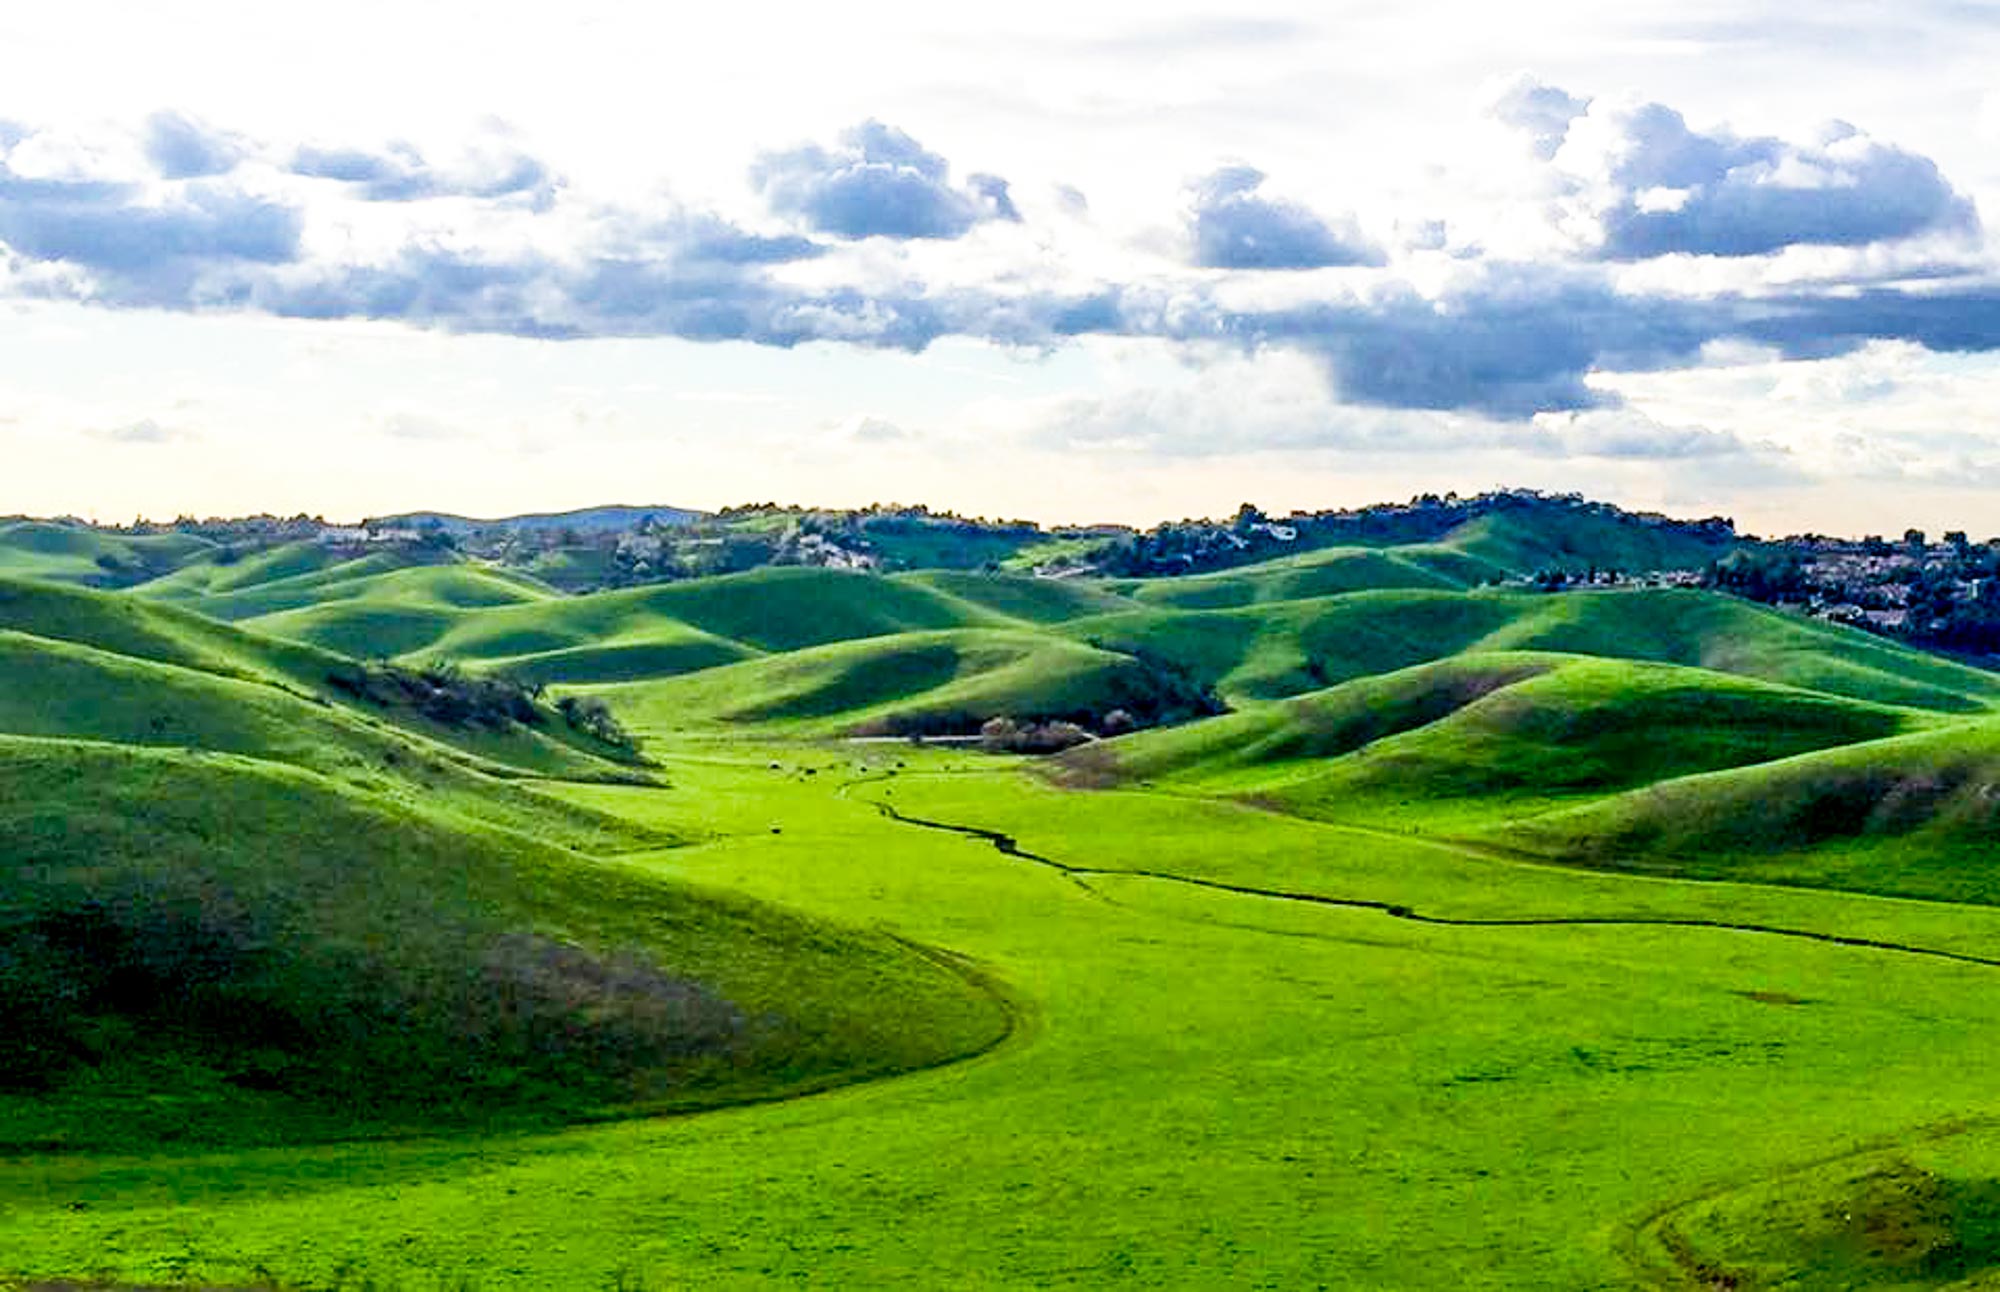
x=126, y=634
x=1287, y=648
x=933, y=683
x=309, y=580
x=1024, y=597
x=764, y=610
x=1917, y=815
x=35, y=549
x=1321, y=573
x=205, y=949
x=1491, y=734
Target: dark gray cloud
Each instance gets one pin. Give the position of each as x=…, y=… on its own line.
x=878, y=182
x=1514, y=343
x=606, y=297
x=1233, y=228
x=143, y=251
x=182, y=148
x=1680, y=190
x=401, y=173
x=1962, y=319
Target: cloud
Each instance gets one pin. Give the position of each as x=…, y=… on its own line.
x=182, y=148
x=1507, y=341
x=401, y=173
x=534, y=296
x=143, y=431
x=1656, y=187
x=1233, y=228
x=421, y=427
x=143, y=251
x=702, y=237
x=1542, y=112
x=1627, y=434
x=878, y=182
x=872, y=431
x=1275, y=401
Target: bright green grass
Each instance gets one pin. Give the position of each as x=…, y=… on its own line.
x=1203, y=1087
x=1216, y=1090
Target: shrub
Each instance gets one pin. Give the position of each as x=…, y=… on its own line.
x=593, y=717
x=1004, y=735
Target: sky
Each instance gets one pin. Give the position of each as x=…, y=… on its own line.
x=1076, y=262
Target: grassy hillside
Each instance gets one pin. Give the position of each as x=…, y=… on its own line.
x=1287, y=648
x=1584, y=728
x=36, y=549
x=1524, y=542
x=1488, y=734
x=1024, y=597
x=1318, y=725
x=1918, y=815
x=210, y=949
x=116, y=625
x=1322, y=573
x=773, y=609
x=64, y=690
x=934, y=683
x=397, y=578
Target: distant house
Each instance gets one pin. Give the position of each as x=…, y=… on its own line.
x=358, y=535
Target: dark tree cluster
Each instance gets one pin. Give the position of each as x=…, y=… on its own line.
x=445, y=693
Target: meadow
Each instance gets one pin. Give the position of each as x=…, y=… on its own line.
x=1494, y=939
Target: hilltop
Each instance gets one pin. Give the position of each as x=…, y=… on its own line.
x=1487, y=537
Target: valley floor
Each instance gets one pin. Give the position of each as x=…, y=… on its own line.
x=1591, y=1082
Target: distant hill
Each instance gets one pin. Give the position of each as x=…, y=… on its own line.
x=583, y=520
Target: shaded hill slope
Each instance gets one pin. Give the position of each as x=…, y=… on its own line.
x=201, y=948
x=1917, y=815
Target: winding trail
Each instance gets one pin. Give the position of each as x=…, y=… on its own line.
x=1008, y=846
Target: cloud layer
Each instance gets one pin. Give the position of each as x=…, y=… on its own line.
x=870, y=241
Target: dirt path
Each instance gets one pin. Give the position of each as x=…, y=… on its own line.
x=1008, y=846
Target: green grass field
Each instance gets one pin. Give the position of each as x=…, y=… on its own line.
x=1591, y=940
